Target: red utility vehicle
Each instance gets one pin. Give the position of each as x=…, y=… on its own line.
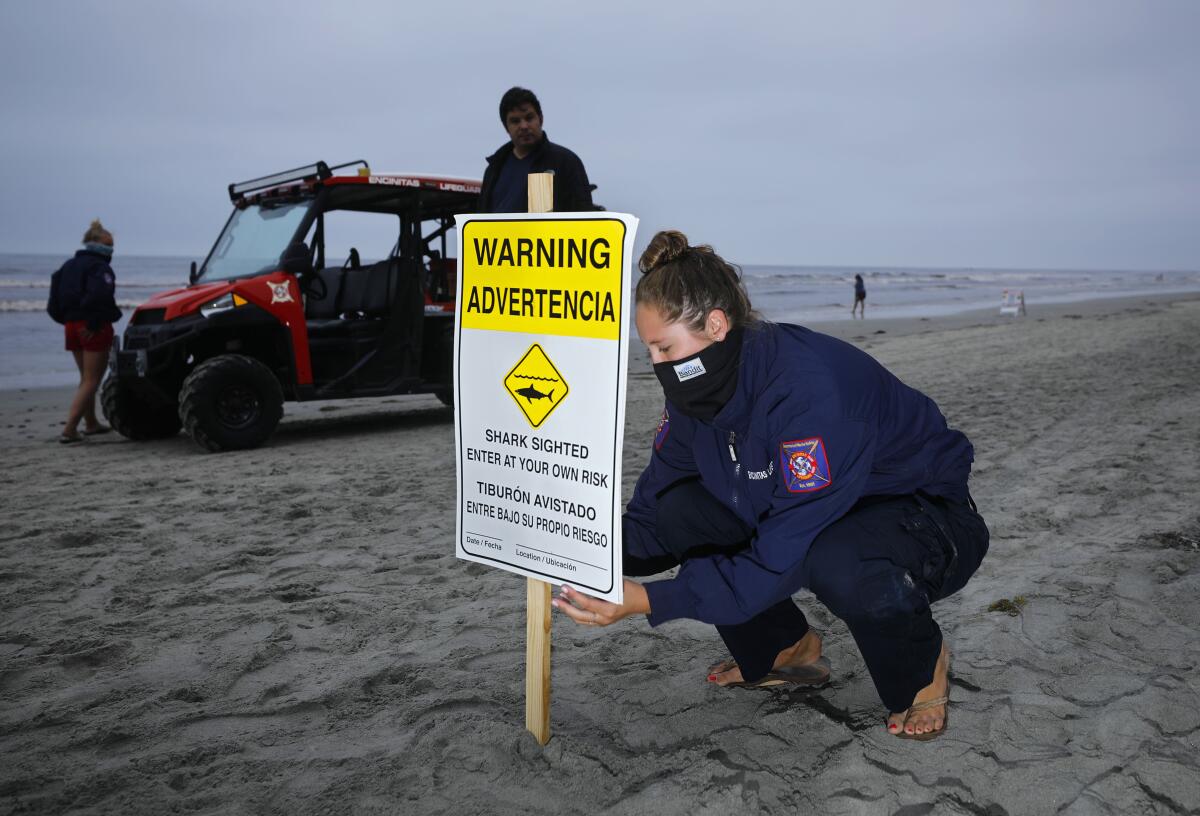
x=273, y=315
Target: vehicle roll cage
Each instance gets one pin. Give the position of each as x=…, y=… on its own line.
x=410, y=242
x=427, y=202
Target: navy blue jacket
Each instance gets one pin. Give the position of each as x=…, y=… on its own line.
x=572, y=190
x=814, y=425
x=83, y=289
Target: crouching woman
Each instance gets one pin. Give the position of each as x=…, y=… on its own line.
x=787, y=459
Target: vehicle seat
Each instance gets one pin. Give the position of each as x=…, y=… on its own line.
x=380, y=289
x=367, y=292
x=326, y=308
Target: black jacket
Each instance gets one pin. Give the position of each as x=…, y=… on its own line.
x=82, y=289
x=814, y=425
x=572, y=191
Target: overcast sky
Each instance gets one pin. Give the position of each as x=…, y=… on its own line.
x=908, y=133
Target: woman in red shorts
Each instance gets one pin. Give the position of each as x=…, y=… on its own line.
x=81, y=298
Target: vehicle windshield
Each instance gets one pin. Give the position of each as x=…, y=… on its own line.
x=253, y=240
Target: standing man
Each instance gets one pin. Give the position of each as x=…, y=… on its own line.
x=505, y=186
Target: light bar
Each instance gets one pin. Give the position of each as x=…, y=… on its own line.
x=320, y=169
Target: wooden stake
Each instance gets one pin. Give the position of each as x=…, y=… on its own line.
x=537, y=593
x=537, y=659
x=541, y=192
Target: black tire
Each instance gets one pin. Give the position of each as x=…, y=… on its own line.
x=134, y=416
x=230, y=402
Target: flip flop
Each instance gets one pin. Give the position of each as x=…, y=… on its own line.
x=100, y=429
x=928, y=735
x=69, y=440
x=809, y=675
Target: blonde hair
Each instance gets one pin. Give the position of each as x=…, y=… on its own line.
x=686, y=282
x=96, y=232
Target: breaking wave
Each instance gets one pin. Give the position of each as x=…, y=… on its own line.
x=44, y=283
x=40, y=305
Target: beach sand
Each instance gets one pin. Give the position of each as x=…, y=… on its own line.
x=287, y=630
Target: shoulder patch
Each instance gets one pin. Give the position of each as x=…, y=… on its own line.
x=664, y=428
x=804, y=466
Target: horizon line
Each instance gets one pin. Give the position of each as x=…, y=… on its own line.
x=957, y=267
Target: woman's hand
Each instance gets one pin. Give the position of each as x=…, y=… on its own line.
x=589, y=611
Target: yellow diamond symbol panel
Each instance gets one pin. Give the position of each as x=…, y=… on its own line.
x=536, y=385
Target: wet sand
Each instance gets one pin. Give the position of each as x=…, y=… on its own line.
x=286, y=630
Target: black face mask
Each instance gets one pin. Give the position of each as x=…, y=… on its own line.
x=701, y=384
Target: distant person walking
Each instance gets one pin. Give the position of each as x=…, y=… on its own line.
x=81, y=298
x=505, y=186
x=860, y=297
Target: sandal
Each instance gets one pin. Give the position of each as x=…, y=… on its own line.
x=808, y=675
x=69, y=440
x=927, y=704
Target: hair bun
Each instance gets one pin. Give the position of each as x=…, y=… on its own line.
x=666, y=246
x=95, y=232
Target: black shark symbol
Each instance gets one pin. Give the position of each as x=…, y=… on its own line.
x=530, y=393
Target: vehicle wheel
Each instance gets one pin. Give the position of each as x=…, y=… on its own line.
x=135, y=417
x=230, y=402
x=446, y=365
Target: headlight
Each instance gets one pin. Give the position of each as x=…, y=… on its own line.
x=221, y=304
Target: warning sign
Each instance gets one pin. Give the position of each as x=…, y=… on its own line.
x=541, y=341
x=533, y=372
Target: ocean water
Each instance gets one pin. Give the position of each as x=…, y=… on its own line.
x=32, y=355
x=808, y=294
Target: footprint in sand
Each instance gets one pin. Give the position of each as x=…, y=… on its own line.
x=291, y=593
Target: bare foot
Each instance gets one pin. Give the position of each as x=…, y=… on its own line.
x=926, y=720
x=801, y=653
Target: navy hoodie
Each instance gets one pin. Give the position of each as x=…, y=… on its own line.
x=83, y=289
x=814, y=425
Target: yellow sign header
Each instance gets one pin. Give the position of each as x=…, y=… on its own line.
x=544, y=276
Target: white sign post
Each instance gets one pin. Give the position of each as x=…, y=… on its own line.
x=541, y=342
